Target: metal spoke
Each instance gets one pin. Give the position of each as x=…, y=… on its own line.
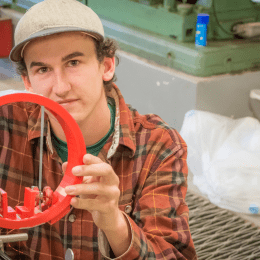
x=41, y=155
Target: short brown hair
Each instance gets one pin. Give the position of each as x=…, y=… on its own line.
x=107, y=48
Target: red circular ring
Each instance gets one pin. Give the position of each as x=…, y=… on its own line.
x=76, y=151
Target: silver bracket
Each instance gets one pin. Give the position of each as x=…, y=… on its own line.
x=11, y=238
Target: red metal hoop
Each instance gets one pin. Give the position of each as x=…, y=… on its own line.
x=76, y=151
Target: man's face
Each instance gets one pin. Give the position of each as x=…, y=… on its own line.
x=64, y=68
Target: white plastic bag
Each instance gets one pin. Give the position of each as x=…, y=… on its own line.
x=224, y=156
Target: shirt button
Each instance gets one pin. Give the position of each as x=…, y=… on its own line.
x=128, y=209
x=69, y=254
x=72, y=218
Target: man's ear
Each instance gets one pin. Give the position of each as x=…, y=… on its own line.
x=27, y=83
x=109, y=64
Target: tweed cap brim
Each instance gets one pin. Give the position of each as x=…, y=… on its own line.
x=15, y=54
x=55, y=16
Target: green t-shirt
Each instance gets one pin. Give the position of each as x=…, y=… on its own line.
x=62, y=149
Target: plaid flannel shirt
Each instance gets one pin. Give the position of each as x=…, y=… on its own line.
x=149, y=158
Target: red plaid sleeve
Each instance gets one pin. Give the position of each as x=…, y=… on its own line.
x=162, y=229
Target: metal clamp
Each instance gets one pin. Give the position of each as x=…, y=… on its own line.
x=8, y=239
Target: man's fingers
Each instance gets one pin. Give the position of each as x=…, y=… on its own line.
x=94, y=188
x=64, y=167
x=88, y=204
x=91, y=159
x=100, y=169
x=97, y=170
x=90, y=179
x=87, y=160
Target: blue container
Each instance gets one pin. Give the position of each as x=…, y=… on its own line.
x=253, y=208
x=201, y=30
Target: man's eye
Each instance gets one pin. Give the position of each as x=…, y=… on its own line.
x=73, y=63
x=42, y=70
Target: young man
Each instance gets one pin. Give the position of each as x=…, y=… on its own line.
x=131, y=204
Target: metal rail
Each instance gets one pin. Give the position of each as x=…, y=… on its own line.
x=220, y=234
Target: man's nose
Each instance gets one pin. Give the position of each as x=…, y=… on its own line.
x=61, y=85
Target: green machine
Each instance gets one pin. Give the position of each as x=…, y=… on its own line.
x=163, y=31
x=177, y=19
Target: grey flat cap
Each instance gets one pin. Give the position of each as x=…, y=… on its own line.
x=54, y=16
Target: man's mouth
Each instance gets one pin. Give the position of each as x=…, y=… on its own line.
x=66, y=101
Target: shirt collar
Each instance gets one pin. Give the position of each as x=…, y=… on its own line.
x=124, y=133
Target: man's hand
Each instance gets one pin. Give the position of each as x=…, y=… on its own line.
x=99, y=192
